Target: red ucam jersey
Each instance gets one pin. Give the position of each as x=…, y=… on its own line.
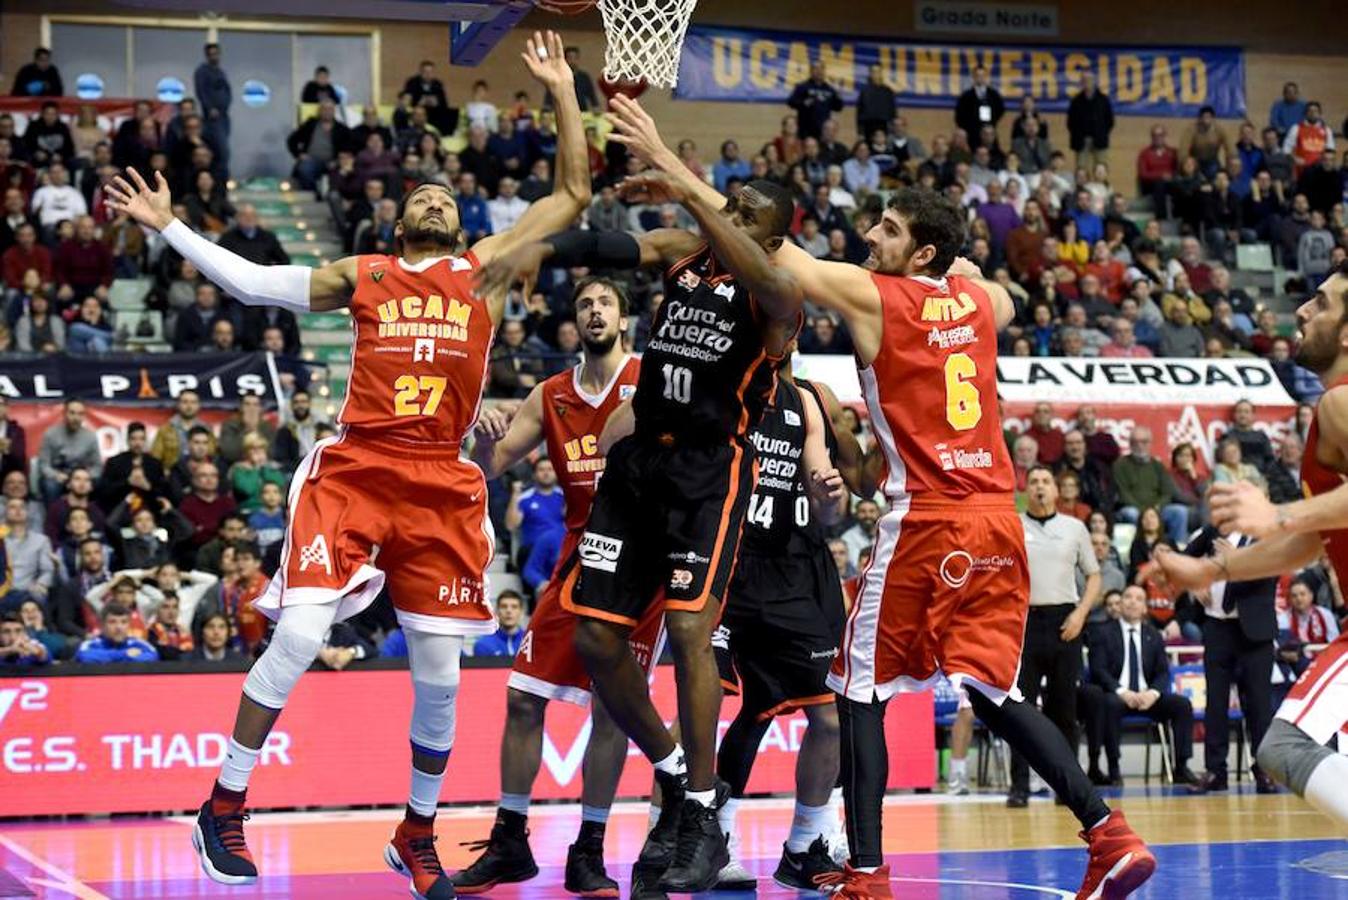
x=1317, y=478
x=932, y=389
x=572, y=422
x=419, y=358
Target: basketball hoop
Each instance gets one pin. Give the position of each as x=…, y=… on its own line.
x=644, y=38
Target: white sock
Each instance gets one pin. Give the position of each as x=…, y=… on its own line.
x=516, y=803
x=238, y=766
x=808, y=823
x=957, y=767
x=652, y=817
x=1325, y=791
x=425, y=794
x=672, y=764
x=705, y=798
x=867, y=869
x=727, y=815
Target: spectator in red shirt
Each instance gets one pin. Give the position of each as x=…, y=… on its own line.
x=238, y=593
x=26, y=254
x=1124, y=345
x=1099, y=445
x=83, y=265
x=1157, y=164
x=1046, y=437
x=205, y=506
x=1108, y=270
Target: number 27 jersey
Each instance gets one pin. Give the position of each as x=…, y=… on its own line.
x=420, y=349
x=931, y=391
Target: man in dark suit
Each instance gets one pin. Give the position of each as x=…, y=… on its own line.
x=1129, y=664
x=1239, y=624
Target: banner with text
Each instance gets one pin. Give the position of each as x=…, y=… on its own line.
x=72, y=745
x=761, y=66
x=152, y=379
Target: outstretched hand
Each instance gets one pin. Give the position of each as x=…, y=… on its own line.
x=1241, y=506
x=827, y=486
x=634, y=128
x=1178, y=571
x=653, y=187
x=152, y=207
x=545, y=57
x=965, y=267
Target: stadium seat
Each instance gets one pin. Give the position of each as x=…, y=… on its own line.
x=1254, y=257
x=129, y=293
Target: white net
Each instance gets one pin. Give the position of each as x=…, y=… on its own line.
x=644, y=39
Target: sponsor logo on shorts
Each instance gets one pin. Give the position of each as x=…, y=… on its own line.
x=316, y=554
x=641, y=651
x=977, y=458
x=681, y=579
x=958, y=336
x=461, y=591
x=720, y=638
x=690, y=557
x=824, y=654
x=959, y=565
x=599, y=551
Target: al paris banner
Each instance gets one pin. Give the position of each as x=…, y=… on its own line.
x=74, y=745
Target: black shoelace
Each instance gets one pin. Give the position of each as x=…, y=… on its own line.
x=423, y=851
x=229, y=831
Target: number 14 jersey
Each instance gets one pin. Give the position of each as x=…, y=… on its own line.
x=705, y=374
x=931, y=391
x=419, y=356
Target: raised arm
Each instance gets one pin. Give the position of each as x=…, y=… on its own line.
x=543, y=56
x=296, y=288
x=634, y=128
x=502, y=440
x=1003, y=307
x=842, y=287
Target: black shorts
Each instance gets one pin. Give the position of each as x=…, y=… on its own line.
x=780, y=633
x=664, y=519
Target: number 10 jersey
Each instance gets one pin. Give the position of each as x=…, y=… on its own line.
x=705, y=374
x=931, y=391
x=420, y=351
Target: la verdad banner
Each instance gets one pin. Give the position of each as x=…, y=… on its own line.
x=762, y=66
x=72, y=745
x=1180, y=400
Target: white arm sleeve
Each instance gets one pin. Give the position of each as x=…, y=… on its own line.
x=247, y=282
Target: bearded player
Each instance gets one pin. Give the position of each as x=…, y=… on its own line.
x=947, y=588
x=567, y=412
x=391, y=478
x=1293, y=535
x=666, y=519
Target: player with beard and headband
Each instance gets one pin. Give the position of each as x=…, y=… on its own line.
x=947, y=588
x=567, y=412
x=666, y=519
x=1293, y=535
x=392, y=477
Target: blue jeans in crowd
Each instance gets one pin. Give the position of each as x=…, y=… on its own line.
x=81, y=337
x=308, y=171
x=1174, y=516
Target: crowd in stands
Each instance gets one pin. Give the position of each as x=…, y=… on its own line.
x=156, y=552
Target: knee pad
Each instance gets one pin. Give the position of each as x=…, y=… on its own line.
x=433, y=717
x=1289, y=755
x=291, y=651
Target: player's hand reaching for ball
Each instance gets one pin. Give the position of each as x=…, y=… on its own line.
x=634, y=128
x=1241, y=506
x=545, y=57
x=152, y=207
x=653, y=187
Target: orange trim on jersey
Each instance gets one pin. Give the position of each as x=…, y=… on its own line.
x=793, y=705
x=731, y=689
x=740, y=391
x=565, y=596
x=731, y=498
x=687, y=259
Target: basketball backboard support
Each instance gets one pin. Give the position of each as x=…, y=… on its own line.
x=475, y=26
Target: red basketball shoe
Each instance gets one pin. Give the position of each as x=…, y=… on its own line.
x=854, y=884
x=412, y=853
x=1120, y=861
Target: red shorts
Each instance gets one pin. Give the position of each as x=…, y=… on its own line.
x=947, y=590
x=366, y=512
x=1318, y=702
x=547, y=664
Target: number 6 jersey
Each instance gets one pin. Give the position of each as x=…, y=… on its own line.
x=931, y=391
x=705, y=375
x=419, y=355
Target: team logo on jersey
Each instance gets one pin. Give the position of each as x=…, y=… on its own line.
x=316, y=554
x=377, y=275
x=599, y=551
x=725, y=289
x=978, y=458
x=947, y=309
x=791, y=417
x=625, y=391
x=560, y=409
x=423, y=350
x=689, y=280
x=958, y=336
x=431, y=317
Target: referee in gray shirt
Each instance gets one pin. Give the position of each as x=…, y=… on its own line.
x=1058, y=547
